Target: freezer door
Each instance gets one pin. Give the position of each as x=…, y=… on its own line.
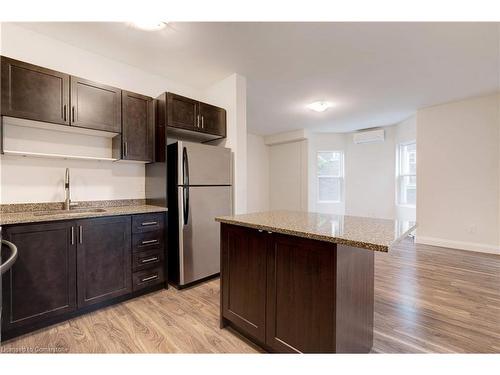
x=201, y=164
x=199, y=233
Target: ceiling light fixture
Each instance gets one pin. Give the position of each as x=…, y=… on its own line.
x=320, y=106
x=149, y=25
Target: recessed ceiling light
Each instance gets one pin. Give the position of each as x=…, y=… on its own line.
x=320, y=106
x=149, y=25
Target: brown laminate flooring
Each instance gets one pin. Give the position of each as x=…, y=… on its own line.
x=427, y=300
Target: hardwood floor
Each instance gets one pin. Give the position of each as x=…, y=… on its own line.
x=427, y=299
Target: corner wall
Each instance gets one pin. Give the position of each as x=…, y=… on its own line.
x=458, y=174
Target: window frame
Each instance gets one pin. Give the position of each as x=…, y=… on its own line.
x=341, y=177
x=400, y=175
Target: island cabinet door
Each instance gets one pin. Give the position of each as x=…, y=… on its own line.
x=104, y=257
x=243, y=272
x=301, y=296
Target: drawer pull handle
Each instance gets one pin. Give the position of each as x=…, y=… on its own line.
x=149, y=278
x=148, y=223
x=149, y=260
x=149, y=242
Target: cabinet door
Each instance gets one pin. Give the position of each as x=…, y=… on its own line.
x=33, y=92
x=137, y=130
x=182, y=112
x=212, y=119
x=95, y=106
x=42, y=282
x=243, y=273
x=301, y=296
x=104, y=259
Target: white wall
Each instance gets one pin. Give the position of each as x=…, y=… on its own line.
x=258, y=174
x=370, y=177
x=458, y=174
x=288, y=164
x=230, y=93
x=370, y=172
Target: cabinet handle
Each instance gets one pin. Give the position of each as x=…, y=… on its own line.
x=73, y=114
x=197, y=121
x=147, y=223
x=125, y=149
x=64, y=112
x=149, y=260
x=149, y=278
x=72, y=235
x=202, y=122
x=80, y=234
x=149, y=242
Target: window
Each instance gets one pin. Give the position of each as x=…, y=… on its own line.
x=330, y=171
x=407, y=174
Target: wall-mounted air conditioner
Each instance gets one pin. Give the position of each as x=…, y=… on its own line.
x=369, y=136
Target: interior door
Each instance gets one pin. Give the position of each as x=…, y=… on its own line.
x=199, y=235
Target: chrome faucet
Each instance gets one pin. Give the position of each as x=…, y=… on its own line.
x=67, y=200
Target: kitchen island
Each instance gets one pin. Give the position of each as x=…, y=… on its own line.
x=299, y=282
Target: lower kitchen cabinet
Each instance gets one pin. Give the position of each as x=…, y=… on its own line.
x=103, y=259
x=296, y=295
x=42, y=282
x=68, y=267
x=243, y=269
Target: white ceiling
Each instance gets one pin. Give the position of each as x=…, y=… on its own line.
x=376, y=73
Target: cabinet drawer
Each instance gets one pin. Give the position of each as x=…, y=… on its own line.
x=148, y=222
x=148, y=241
x=147, y=259
x=143, y=279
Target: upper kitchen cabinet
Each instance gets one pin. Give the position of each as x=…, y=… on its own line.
x=182, y=112
x=212, y=119
x=138, y=127
x=34, y=93
x=95, y=106
x=186, y=118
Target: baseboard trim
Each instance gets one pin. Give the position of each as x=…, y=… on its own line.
x=460, y=245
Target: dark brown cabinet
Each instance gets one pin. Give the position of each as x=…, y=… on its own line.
x=41, y=284
x=95, y=106
x=182, y=112
x=296, y=295
x=104, y=259
x=212, y=119
x=34, y=93
x=301, y=308
x=69, y=267
x=244, y=257
x=137, y=127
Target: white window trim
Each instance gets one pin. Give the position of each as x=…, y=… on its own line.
x=400, y=176
x=341, y=177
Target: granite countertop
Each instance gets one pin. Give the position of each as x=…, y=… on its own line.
x=36, y=212
x=363, y=232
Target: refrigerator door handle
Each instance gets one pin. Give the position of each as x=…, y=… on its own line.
x=185, y=167
x=185, y=191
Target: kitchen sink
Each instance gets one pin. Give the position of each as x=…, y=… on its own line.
x=70, y=212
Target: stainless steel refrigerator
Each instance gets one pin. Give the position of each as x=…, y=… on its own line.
x=199, y=188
